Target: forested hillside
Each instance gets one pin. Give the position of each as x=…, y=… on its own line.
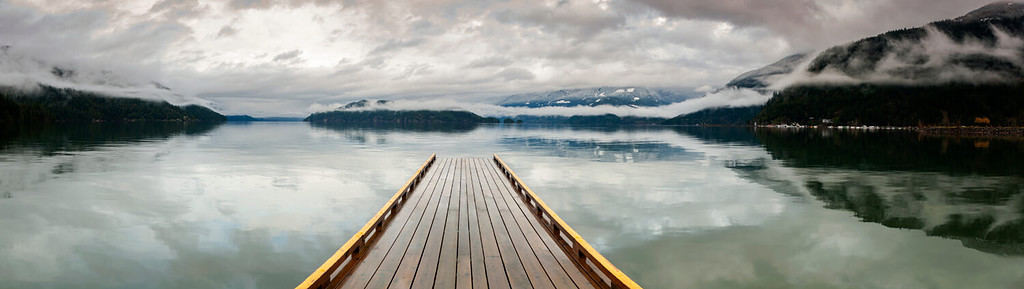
x=898, y=105
x=62, y=105
x=718, y=116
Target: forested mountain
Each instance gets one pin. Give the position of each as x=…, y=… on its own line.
x=898, y=105
x=48, y=104
x=963, y=71
x=762, y=77
x=612, y=120
x=718, y=116
x=38, y=91
x=967, y=49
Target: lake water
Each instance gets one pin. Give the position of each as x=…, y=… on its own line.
x=261, y=205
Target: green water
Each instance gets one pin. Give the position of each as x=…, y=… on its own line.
x=261, y=205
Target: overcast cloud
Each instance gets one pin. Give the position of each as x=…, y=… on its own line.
x=266, y=57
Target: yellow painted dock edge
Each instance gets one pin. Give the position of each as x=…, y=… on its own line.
x=325, y=274
x=580, y=249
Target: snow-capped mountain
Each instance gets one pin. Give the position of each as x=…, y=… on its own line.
x=626, y=96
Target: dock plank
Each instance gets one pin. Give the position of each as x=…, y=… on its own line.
x=463, y=258
x=437, y=265
x=514, y=268
x=523, y=248
x=493, y=266
x=545, y=253
x=464, y=226
x=476, y=256
x=408, y=237
x=395, y=233
x=417, y=250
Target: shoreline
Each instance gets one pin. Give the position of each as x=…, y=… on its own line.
x=946, y=131
x=973, y=131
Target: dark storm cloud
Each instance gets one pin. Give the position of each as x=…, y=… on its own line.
x=226, y=31
x=175, y=9
x=563, y=19
x=490, y=62
x=392, y=45
x=814, y=24
x=739, y=12
x=515, y=74
x=250, y=4
x=286, y=56
x=85, y=35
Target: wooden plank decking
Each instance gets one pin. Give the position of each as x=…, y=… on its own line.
x=466, y=223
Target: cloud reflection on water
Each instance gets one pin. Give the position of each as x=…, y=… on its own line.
x=261, y=205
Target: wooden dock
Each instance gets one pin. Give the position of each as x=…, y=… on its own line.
x=466, y=223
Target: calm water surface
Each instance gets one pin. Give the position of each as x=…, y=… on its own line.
x=261, y=205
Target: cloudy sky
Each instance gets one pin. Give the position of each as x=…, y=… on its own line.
x=267, y=57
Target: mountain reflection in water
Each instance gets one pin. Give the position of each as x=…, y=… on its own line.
x=947, y=187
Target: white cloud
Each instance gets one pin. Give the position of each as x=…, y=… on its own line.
x=279, y=57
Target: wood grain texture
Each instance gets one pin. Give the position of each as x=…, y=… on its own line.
x=466, y=226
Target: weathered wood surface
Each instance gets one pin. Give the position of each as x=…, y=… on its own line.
x=468, y=223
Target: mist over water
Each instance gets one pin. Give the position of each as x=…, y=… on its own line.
x=730, y=97
x=261, y=205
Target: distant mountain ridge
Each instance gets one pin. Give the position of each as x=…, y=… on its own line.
x=615, y=96
x=249, y=118
x=401, y=117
